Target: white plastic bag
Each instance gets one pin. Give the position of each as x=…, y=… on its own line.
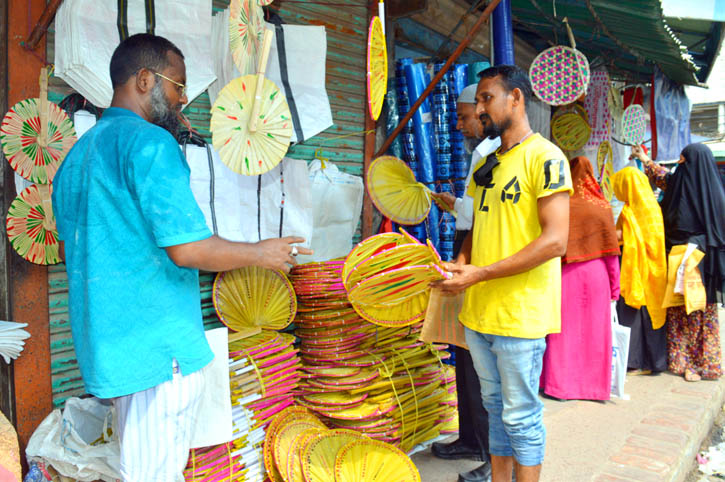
x=337, y=200
x=620, y=355
x=66, y=441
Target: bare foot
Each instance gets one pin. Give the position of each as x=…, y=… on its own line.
x=692, y=376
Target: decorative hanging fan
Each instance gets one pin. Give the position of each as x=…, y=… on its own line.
x=604, y=154
x=250, y=121
x=368, y=460
x=246, y=29
x=31, y=226
x=318, y=458
x=254, y=297
x=606, y=182
x=377, y=66
x=570, y=131
x=36, y=135
x=560, y=75
x=634, y=125
x=395, y=192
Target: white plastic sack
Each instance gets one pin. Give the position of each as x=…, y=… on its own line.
x=87, y=34
x=620, y=355
x=250, y=208
x=337, y=199
x=64, y=441
x=306, y=53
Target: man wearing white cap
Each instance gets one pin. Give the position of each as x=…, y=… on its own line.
x=472, y=442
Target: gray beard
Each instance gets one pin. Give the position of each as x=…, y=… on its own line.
x=162, y=114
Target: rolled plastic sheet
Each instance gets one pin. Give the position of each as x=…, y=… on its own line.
x=457, y=81
x=432, y=223
x=406, y=134
x=459, y=186
x=460, y=165
x=447, y=229
x=425, y=154
x=392, y=118
x=476, y=68
x=442, y=125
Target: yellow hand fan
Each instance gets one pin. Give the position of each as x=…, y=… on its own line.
x=395, y=192
x=604, y=154
x=369, y=247
x=377, y=66
x=570, y=131
x=399, y=256
x=286, y=437
x=318, y=457
x=293, y=471
x=406, y=313
x=250, y=121
x=289, y=413
x=368, y=460
x=391, y=287
x=254, y=297
x=606, y=182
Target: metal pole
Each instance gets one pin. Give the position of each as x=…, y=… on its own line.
x=503, y=33
x=454, y=56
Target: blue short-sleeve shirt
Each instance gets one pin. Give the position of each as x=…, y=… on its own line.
x=120, y=197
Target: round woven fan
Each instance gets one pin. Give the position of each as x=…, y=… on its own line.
x=606, y=182
x=368, y=460
x=246, y=29
x=394, y=286
x=406, y=313
x=318, y=458
x=377, y=65
x=634, y=125
x=253, y=297
x=31, y=226
x=571, y=131
x=289, y=413
x=368, y=247
x=604, y=154
x=559, y=75
x=397, y=257
x=395, y=192
x=293, y=472
x=286, y=436
x=20, y=135
x=245, y=152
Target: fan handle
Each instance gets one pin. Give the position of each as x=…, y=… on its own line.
x=43, y=107
x=261, y=70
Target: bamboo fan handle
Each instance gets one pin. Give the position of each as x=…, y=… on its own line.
x=43, y=107
x=261, y=69
x=430, y=196
x=569, y=33
x=47, y=203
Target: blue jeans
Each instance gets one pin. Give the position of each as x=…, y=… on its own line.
x=509, y=369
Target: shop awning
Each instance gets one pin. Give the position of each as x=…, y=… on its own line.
x=630, y=37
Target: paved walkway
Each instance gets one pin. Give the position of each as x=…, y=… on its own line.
x=651, y=437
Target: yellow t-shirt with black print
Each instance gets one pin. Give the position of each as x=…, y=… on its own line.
x=506, y=219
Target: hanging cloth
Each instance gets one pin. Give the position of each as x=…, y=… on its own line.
x=643, y=275
x=693, y=208
x=591, y=223
x=597, y=107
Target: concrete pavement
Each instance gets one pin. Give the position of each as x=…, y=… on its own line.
x=653, y=436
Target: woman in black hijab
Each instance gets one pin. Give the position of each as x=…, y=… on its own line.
x=693, y=209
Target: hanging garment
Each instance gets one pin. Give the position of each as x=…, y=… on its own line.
x=672, y=110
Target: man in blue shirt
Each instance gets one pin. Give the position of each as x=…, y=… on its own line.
x=134, y=240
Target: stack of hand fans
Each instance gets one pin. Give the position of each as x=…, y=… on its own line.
x=387, y=278
x=12, y=339
x=299, y=448
x=264, y=372
x=380, y=381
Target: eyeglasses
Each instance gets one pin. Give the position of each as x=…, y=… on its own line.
x=181, y=87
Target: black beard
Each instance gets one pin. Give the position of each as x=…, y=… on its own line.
x=493, y=130
x=162, y=114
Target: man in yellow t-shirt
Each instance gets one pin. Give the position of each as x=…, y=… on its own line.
x=510, y=267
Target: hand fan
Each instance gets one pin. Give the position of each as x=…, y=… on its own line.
x=250, y=121
x=370, y=246
x=377, y=67
x=368, y=460
x=252, y=297
x=294, y=457
x=570, y=131
x=289, y=413
x=395, y=192
x=392, y=287
x=560, y=75
x=397, y=257
x=606, y=182
x=31, y=225
x=318, y=457
x=36, y=135
x=634, y=125
x=285, y=438
x=246, y=29
x=604, y=154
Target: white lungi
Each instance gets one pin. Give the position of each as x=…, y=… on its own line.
x=155, y=428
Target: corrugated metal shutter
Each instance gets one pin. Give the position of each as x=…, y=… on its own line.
x=346, y=40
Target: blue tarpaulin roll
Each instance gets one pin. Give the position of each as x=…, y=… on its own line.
x=422, y=124
x=406, y=134
x=392, y=118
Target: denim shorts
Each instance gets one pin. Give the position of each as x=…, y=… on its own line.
x=509, y=369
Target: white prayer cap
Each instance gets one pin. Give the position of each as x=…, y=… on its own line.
x=468, y=95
